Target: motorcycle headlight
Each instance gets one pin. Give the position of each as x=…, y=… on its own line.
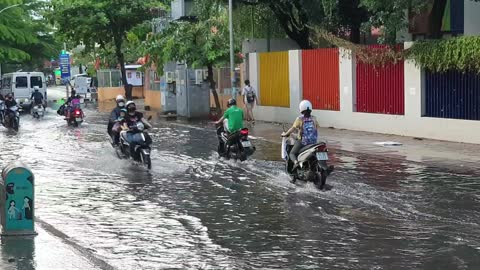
x=17, y=100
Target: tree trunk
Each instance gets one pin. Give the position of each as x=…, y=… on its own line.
x=355, y=34
x=294, y=20
x=80, y=70
x=118, y=40
x=214, y=89
x=436, y=18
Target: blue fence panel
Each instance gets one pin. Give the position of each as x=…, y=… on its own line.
x=453, y=95
x=457, y=11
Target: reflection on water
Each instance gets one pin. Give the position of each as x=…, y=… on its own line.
x=193, y=211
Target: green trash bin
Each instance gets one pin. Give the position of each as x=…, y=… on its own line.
x=17, y=200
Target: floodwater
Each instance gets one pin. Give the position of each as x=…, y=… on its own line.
x=193, y=211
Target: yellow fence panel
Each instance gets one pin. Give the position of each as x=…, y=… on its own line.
x=274, y=79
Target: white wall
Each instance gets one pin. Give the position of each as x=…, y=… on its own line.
x=472, y=18
x=411, y=124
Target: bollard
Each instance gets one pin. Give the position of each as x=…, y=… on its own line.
x=17, y=201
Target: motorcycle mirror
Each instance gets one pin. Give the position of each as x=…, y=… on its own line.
x=149, y=118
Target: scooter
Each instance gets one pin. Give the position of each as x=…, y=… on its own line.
x=235, y=146
x=312, y=163
x=76, y=117
x=10, y=117
x=38, y=111
x=140, y=151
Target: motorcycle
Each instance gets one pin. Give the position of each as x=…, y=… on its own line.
x=236, y=146
x=76, y=117
x=141, y=150
x=312, y=163
x=10, y=117
x=38, y=111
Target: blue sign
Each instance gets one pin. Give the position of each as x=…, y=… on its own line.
x=65, y=66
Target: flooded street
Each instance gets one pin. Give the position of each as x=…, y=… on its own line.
x=194, y=211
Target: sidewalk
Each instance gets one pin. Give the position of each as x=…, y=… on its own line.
x=430, y=152
x=49, y=250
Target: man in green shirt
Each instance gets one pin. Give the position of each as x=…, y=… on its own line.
x=232, y=121
x=232, y=118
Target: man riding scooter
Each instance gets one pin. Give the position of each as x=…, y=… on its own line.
x=115, y=133
x=308, y=126
x=231, y=121
x=37, y=97
x=9, y=103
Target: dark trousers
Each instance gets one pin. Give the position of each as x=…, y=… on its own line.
x=295, y=150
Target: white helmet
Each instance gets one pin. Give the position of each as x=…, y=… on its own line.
x=36, y=88
x=305, y=105
x=119, y=97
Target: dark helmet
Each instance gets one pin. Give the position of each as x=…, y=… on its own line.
x=9, y=95
x=231, y=102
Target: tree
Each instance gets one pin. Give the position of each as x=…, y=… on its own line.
x=103, y=22
x=202, y=43
x=15, y=31
x=292, y=16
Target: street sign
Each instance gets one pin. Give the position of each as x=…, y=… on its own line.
x=65, y=66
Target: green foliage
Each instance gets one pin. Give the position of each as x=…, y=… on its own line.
x=15, y=31
x=461, y=53
x=200, y=44
x=102, y=22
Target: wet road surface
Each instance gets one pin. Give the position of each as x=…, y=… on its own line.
x=193, y=211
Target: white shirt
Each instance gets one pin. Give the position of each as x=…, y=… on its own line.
x=246, y=90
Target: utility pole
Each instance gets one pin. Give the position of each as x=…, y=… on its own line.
x=232, y=57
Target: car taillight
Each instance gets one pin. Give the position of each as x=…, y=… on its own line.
x=322, y=148
x=244, y=132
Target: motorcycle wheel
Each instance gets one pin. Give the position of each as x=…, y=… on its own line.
x=321, y=179
x=146, y=160
x=15, y=125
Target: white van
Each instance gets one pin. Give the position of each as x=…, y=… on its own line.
x=21, y=85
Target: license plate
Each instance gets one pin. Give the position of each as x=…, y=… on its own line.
x=321, y=156
x=246, y=144
x=78, y=119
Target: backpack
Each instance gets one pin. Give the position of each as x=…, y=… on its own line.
x=250, y=95
x=309, y=131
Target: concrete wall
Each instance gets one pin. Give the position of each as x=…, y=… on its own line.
x=411, y=124
x=153, y=99
x=472, y=18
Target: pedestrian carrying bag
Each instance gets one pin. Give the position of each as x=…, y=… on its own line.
x=250, y=96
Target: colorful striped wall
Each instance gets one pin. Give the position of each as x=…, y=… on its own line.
x=274, y=79
x=320, y=78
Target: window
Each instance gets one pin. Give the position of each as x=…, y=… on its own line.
x=6, y=83
x=21, y=82
x=36, y=81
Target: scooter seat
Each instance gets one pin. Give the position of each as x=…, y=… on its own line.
x=308, y=147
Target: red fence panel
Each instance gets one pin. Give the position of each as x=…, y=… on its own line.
x=320, y=78
x=380, y=89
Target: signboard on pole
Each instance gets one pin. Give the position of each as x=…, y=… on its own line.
x=65, y=66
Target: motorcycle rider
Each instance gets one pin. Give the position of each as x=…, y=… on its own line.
x=9, y=103
x=133, y=136
x=36, y=97
x=232, y=121
x=308, y=126
x=115, y=134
